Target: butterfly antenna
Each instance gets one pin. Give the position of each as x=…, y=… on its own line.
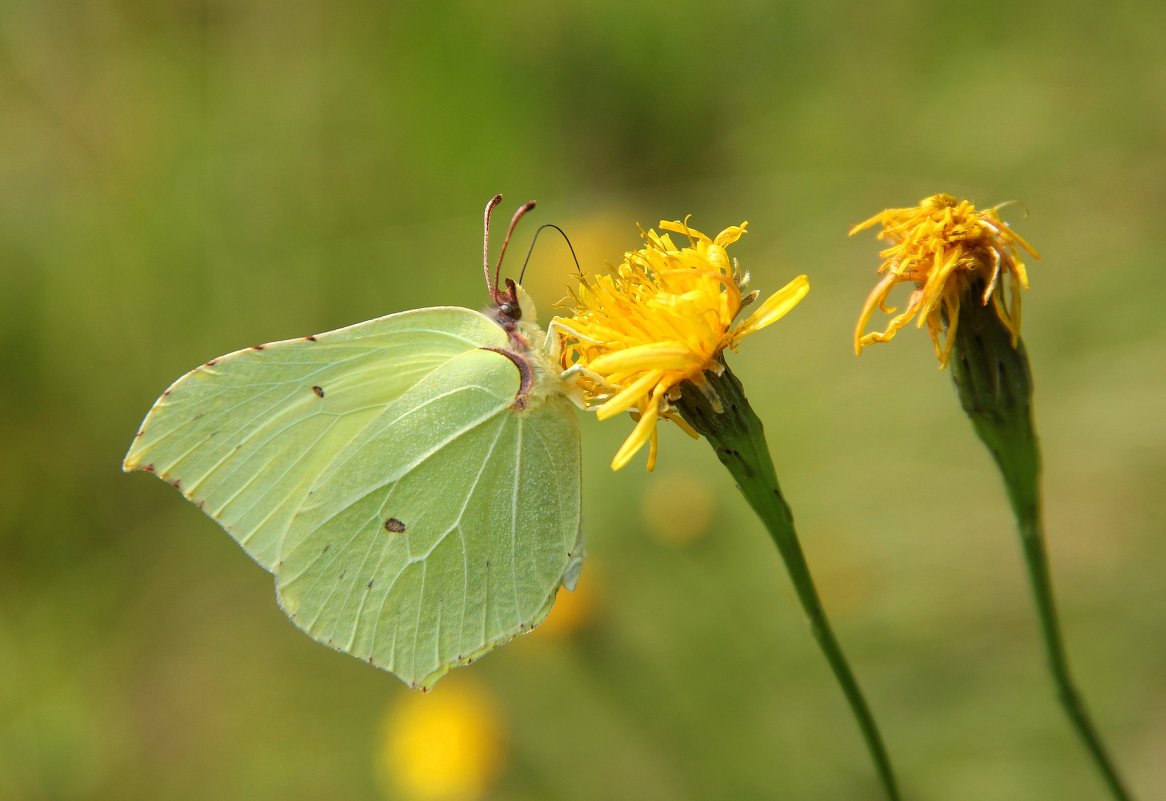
x=566, y=238
x=490, y=204
x=523, y=209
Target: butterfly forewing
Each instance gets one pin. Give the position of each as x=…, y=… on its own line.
x=244, y=436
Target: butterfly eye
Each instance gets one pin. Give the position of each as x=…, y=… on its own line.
x=508, y=305
x=510, y=309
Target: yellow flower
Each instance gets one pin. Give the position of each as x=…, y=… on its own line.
x=661, y=318
x=447, y=745
x=947, y=249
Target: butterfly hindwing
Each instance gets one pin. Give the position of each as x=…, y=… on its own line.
x=444, y=530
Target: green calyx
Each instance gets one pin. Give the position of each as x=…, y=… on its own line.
x=994, y=384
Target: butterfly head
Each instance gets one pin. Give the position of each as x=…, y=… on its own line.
x=514, y=305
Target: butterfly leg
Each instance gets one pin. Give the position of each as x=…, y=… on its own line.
x=556, y=327
x=571, y=377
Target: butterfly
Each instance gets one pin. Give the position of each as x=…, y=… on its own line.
x=412, y=482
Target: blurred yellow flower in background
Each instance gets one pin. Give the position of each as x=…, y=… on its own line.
x=948, y=250
x=446, y=745
x=678, y=507
x=573, y=610
x=662, y=318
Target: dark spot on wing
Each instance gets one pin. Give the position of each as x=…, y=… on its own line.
x=326, y=547
x=394, y=525
x=258, y=347
x=202, y=504
x=212, y=362
x=369, y=585
x=319, y=391
x=167, y=392
x=310, y=338
x=149, y=468
x=177, y=483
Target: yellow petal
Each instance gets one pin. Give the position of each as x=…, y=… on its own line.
x=683, y=424
x=637, y=439
x=678, y=227
x=862, y=226
x=775, y=307
x=876, y=299
x=718, y=257
x=731, y=234
x=653, y=448
x=629, y=395
x=653, y=356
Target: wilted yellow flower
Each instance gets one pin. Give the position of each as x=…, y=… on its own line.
x=660, y=319
x=948, y=250
x=447, y=745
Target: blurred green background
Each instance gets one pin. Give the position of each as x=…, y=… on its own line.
x=180, y=179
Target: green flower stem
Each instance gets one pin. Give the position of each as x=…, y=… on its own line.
x=723, y=416
x=994, y=385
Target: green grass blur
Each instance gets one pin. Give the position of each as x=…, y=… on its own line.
x=180, y=179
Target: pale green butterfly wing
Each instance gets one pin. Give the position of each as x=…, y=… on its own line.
x=288, y=445
x=460, y=541
x=245, y=435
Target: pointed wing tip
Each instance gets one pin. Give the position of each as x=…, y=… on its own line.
x=134, y=459
x=133, y=462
